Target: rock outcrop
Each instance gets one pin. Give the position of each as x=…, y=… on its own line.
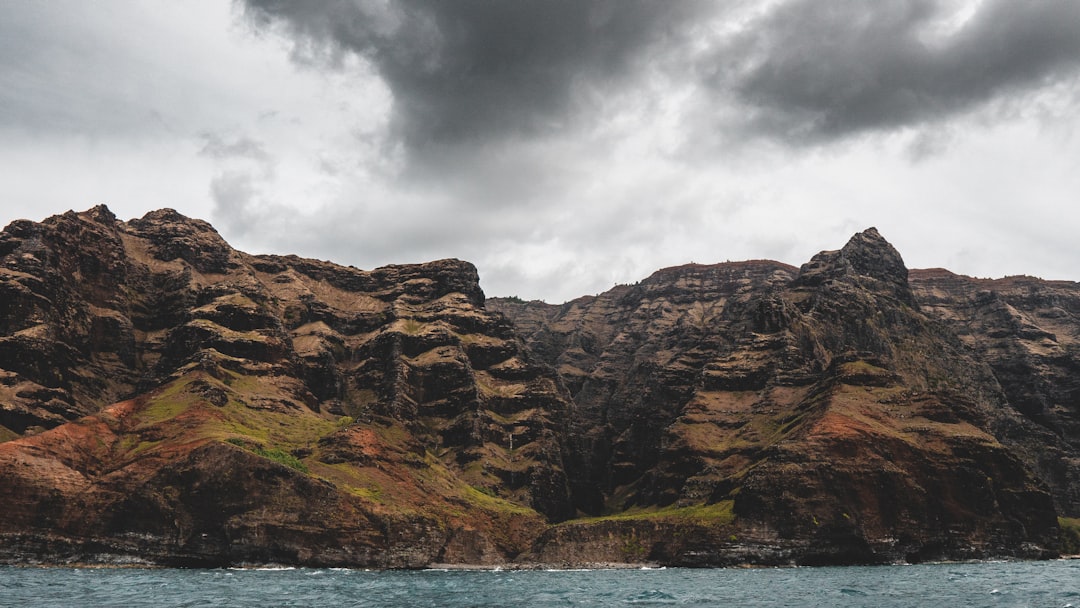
x=1028, y=331
x=186, y=403
x=820, y=412
x=167, y=399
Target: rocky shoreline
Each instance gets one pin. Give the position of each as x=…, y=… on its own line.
x=128, y=562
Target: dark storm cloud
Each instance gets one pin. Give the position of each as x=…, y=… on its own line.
x=802, y=71
x=820, y=70
x=472, y=70
x=565, y=143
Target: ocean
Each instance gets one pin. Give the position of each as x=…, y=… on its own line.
x=998, y=584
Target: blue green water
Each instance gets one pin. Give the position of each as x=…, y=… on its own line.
x=1050, y=584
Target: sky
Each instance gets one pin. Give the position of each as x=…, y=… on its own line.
x=561, y=146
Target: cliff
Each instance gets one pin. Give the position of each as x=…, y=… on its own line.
x=833, y=417
x=205, y=406
x=165, y=398
x=1027, y=331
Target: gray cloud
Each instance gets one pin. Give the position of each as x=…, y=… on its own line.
x=234, y=194
x=473, y=70
x=243, y=171
x=566, y=145
x=814, y=71
x=803, y=71
x=220, y=147
x=69, y=68
x=560, y=145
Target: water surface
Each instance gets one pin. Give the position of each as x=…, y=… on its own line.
x=1050, y=584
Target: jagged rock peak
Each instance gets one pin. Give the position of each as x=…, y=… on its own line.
x=167, y=216
x=868, y=260
x=871, y=255
x=100, y=214
x=174, y=235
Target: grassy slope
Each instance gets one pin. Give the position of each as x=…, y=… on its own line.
x=389, y=475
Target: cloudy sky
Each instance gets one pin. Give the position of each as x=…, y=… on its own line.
x=561, y=146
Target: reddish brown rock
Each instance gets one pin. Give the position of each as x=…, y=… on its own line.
x=839, y=421
x=407, y=424
x=168, y=399
x=1028, y=331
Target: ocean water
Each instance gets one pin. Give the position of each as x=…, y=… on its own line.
x=1049, y=584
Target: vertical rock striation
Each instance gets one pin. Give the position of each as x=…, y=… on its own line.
x=835, y=419
x=167, y=399
x=1028, y=331
x=191, y=404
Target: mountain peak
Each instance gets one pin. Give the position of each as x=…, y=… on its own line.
x=174, y=235
x=871, y=255
x=168, y=215
x=868, y=260
x=208, y=407
x=101, y=214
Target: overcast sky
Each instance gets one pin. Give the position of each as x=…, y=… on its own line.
x=561, y=146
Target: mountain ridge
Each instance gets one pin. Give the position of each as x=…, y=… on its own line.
x=169, y=399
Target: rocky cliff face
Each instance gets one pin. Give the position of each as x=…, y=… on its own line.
x=207, y=406
x=834, y=417
x=166, y=398
x=1028, y=331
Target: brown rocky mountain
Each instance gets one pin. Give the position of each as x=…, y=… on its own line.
x=840, y=419
x=167, y=399
x=209, y=407
x=1028, y=331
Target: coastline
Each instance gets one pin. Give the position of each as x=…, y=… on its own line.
x=131, y=563
x=558, y=567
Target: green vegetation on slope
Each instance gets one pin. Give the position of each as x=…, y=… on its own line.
x=715, y=514
x=1070, y=535
x=278, y=455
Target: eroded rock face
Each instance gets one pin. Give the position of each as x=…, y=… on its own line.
x=838, y=420
x=267, y=408
x=166, y=398
x=633, y=357
x=1028, y=331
